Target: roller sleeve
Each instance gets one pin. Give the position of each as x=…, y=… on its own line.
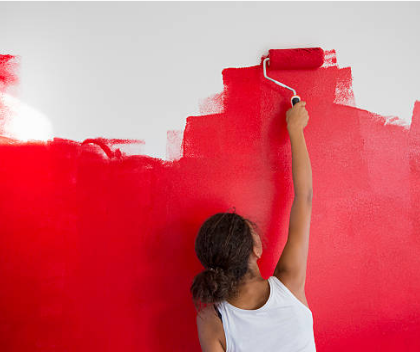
x=290, y=59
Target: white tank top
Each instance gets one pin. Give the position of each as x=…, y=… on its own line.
x=283, y=324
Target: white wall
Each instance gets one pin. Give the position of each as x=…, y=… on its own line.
x=137, y=69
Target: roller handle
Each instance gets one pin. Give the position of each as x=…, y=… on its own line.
x=295, y=99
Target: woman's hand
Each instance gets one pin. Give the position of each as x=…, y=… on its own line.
x=297, y=117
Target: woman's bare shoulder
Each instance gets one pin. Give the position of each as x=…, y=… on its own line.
x=210, y=328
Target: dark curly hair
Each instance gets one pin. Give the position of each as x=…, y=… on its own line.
x=223, y=245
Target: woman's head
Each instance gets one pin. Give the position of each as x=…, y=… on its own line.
x=225, y=244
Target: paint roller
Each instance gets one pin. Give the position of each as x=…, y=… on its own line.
x=293, y=59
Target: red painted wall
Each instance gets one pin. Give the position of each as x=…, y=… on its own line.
x=97, y=249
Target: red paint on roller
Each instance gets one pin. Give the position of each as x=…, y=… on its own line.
x=301, y=58
x=97, y=253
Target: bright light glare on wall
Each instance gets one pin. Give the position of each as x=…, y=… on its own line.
x=22, y=121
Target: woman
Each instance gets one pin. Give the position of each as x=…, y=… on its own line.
x=247, y=312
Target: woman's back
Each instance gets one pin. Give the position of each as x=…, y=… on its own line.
x=282, y=324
